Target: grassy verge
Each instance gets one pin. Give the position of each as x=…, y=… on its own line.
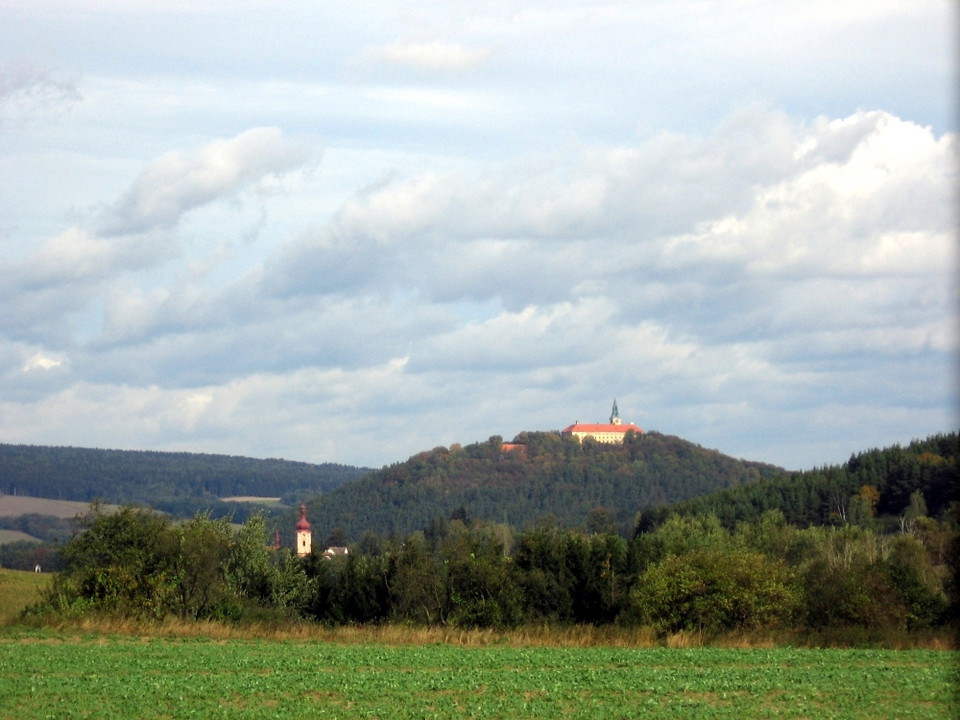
x=19, y=589
x=577, y=636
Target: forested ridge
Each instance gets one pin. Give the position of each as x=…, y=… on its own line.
x=541, y=475
x=874, y=487
x=177, y=482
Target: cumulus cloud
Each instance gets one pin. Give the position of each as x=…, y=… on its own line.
x=708, y=282
x=45, y=293
x=878, y=206
x=76, y=255
x=179, y=182
x=761, y=197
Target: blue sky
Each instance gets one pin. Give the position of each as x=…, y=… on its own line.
x=348, y=233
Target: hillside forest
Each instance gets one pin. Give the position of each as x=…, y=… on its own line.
x=539, y=476
x=177, y=483
x=839, y=563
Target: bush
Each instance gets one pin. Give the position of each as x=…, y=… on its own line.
x=713, y=590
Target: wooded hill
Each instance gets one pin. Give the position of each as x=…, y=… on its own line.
x=540, y=476
x=178, y=483
x=435, y=547
x=873, y=486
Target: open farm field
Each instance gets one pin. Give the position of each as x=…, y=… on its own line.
x=121, y=677
x=16, y=505
x=270, y=501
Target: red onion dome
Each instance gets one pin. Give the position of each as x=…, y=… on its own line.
x=302, y=524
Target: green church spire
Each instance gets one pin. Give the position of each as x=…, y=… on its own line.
x=615, y=414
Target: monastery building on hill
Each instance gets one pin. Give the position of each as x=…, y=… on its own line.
x=612, y=432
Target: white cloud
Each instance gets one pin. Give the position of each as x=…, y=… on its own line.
x=879, y=207
x=179, y=182
x=76, y=255
x=40, y=361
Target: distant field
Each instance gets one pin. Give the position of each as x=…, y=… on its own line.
x=44, y=675
x=12, y=536
x=16, y=505
x=253, y=499
x=19, y=589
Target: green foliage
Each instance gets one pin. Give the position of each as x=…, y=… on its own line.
x=920, y=479
x=854, y=578
x=135, y=563
x=712, y=590
x=481, y=589
x=198, y=553
x=570, y=577
x=593, y=486
x=417, y=583
x=692, y=574
x=681, y=535
x=120, y=564
x=247, y=566
x=916, y=583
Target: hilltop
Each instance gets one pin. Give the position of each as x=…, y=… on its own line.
x=539, y=477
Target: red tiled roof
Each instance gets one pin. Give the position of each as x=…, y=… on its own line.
x=600, y=428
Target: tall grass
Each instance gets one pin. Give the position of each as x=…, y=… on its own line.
x=388, y=634
x=573, y=636
x=19, y=589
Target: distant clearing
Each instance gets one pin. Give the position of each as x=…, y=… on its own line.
x=16, y=505
x=253, y=499
x=12, y=536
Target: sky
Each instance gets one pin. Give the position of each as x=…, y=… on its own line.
x=351, y=232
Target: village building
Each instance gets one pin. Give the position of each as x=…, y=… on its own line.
x=611, y=433
x=303, y=533
x=335, y=551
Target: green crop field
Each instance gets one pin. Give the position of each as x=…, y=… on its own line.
x=119, y=677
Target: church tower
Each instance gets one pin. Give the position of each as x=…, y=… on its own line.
x=615, y=414
x=303, y=533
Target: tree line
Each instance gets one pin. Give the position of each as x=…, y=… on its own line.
x=875, y=488
x=176, y=482
x=691, y=574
